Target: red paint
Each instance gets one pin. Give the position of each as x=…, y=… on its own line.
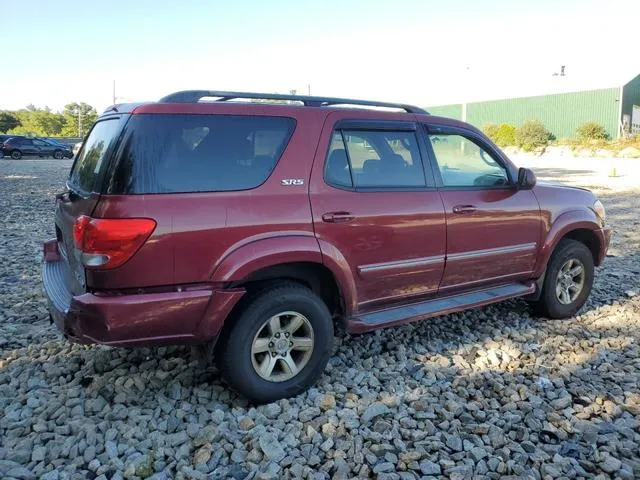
x=50, y=251
x=392, y=248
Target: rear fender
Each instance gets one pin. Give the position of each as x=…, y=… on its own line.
x=565, y=223
x=266, y=252
x=251, y=257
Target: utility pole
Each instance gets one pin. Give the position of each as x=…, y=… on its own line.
x=114, y=92
x=309, y=89
x=79, y=121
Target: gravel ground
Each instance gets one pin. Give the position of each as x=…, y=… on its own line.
x=489, y=393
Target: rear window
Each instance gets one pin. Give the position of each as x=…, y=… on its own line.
x=198, y=153
x=91, y=158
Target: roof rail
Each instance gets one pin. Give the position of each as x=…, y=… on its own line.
x=193, y=96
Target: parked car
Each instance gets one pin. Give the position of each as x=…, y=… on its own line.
x=264, y=228
x=4, y=138
x=17, y=147
x=65, y=149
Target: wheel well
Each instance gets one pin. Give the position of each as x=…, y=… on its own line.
x=315, y=276
x=587, y=237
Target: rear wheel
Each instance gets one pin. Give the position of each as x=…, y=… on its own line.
x=58, y=155
x=16, y=154
x=568, y=281
x=277, y=345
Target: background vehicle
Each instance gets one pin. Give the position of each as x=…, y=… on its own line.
x=17, y=147
x=65, y=149
x=263, y=228
x=76, y=148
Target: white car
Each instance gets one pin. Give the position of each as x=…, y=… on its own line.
x=76, y=148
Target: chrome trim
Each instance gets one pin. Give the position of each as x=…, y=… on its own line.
x=416, y=262
x=492, y=251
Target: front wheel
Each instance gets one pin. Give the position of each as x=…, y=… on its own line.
x=568, y=281
x=277, y=345
x=58, y=155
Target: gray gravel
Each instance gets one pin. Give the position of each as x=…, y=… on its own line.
x=489, y=393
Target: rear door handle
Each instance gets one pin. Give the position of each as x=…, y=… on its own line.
x=337, y=217
x=464, y=209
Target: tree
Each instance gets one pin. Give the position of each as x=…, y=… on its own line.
x=39, y=123
x=78, y=119
x=8, y=121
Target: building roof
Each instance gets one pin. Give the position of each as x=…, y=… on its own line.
x=483, y=86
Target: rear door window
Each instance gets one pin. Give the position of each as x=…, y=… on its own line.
x=91, y=159
x=376, y=159
x=198, y=153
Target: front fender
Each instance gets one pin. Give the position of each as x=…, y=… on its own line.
x=563, y=224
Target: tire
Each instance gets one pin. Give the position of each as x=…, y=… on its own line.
x=558, y=305
x=58, y=155
x=248, y=329
x=16, y=154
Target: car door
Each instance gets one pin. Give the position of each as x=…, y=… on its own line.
x=41, y=148
x=376, y=210
x=493, y=227
x=27, y=147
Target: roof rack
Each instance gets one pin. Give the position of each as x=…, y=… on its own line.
x=193, y=96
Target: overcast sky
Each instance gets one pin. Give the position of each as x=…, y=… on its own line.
x=424, y=52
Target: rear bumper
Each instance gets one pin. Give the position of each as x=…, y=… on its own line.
x=173, y=317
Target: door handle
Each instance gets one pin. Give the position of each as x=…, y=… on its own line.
x=337, y=217
x=464, y=209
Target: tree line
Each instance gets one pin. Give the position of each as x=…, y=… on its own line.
x=74, y=120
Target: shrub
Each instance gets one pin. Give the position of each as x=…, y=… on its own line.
x=531, y=135
x=591, y=131
x=491, y=131
x=505, y=135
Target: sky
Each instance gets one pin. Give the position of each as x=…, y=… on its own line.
x=423, y=52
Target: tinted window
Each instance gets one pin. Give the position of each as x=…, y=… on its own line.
x=91, y=158
x=199, y=153
x=463, y=163
x=374, y=159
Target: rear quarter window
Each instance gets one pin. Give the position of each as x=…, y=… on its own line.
x=198, y=153
x=91, y=160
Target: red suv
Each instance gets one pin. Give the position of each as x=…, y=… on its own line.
x=261, y=227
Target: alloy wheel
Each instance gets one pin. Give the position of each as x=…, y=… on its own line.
x=282, y=347
x=570, y=281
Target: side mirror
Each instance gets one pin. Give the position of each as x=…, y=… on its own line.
x=526, y=179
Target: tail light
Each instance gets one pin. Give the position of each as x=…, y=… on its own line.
x=109, y=242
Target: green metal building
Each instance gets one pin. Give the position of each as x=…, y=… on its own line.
x=561, y=113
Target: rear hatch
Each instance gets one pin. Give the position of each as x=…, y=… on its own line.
x=82, y=193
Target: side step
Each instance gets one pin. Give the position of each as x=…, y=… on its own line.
x=437, y=306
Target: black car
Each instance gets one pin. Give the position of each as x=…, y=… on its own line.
x=68, y=153
x=17, y=147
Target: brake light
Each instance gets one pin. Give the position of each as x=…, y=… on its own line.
x=109, y=242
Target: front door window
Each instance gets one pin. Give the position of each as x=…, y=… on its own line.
x=463, y=163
